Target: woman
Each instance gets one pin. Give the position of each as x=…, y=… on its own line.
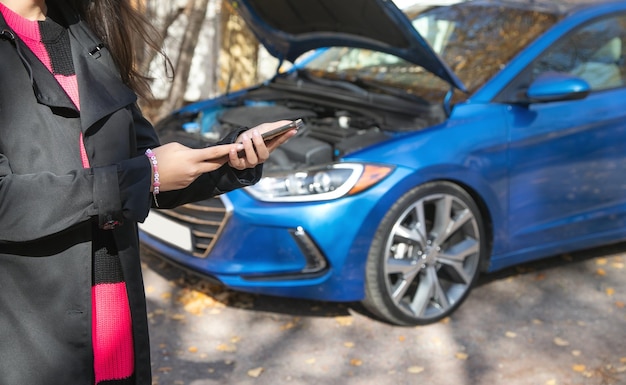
x=79, y=167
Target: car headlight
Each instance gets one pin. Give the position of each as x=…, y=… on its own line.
x=317, y=184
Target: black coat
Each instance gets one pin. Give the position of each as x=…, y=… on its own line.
x=48, y=203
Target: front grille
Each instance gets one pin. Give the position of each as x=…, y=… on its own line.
x=206, y=219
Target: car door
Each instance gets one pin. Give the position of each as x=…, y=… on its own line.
x=568, y=158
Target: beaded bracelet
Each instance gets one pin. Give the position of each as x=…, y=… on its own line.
x=156, y=183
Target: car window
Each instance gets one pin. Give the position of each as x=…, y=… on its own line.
x=595, y=52
x=478, y=41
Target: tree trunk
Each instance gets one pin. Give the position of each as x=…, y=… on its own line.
x=149, y=8
x=196, y=12
x=238, y=57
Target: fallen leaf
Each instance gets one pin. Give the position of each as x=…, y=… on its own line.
x=165, y=369
x=576, y=353
x=401, y=338
x=178, y=317
x=551, y=381
x=415, y=369
x=540, y=277
x=587, y=373
x=193, y=349
x=610, y=291
x=560, y=342
x=226, y=348
x=601, y=261
x=348, y=344
x=256, y=372
x=310, y=361
x=619, y=304
x=617, y=265
x=579, y=368
x=510, y=334
x=344, y=320
x=195, y=301
x=461, y=356
x=622, y=360
x=235, y=339
x=601, y=272
x=290, y=325
x=537, y=321
x=356, y=362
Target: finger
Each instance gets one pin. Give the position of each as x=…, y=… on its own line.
x=215, y=152
x=236, y=159
x=249, y=150
x=210, y=165
x=262, y=153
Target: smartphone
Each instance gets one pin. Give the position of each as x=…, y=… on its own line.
x=296, y=124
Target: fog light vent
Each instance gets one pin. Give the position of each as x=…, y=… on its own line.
x=315, y=260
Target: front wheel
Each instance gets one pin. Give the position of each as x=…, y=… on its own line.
x=425, y=255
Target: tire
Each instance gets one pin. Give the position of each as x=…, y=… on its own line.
x=425, y=255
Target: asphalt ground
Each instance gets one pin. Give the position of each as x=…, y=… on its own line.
x=559, y=321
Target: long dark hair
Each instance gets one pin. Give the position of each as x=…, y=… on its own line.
x=125, y=31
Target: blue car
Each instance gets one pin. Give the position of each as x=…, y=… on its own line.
x=439, y=143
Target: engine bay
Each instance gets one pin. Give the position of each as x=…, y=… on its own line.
x=335, y=123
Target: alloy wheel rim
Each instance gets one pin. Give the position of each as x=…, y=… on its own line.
x=432, y=256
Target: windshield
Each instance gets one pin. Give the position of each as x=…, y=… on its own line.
x=476, y=41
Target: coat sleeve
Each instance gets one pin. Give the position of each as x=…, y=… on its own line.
x=34, y=206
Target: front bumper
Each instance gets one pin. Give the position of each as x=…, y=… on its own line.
x=303, y=250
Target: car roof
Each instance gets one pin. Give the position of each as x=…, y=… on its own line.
x=559, y=7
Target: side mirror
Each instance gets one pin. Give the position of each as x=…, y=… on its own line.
x=557, y=86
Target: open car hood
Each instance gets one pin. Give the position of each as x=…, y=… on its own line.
x=289, y=28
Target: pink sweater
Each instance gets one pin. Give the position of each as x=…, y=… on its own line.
x=31, y=34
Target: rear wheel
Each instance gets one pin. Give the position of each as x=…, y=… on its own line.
x=425, y=255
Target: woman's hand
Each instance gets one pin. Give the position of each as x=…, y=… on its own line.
x=179, y=165
x=256, y=150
